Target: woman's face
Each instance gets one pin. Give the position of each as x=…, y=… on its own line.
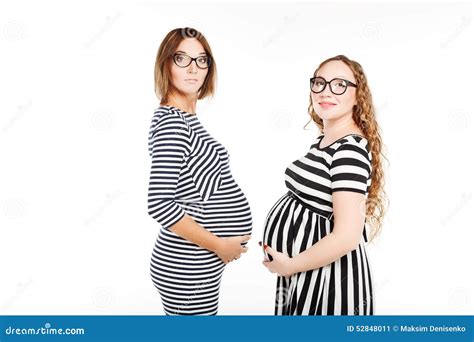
x=188, y=80
x=329, y=106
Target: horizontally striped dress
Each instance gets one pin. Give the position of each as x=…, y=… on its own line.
x=190, y=174
x=303, y=216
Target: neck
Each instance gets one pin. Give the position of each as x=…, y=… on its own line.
x=183, y=102
x=340, y=126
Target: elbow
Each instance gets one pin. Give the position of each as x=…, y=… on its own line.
x=153, y=208
x=157, y=211
x=157, y=207
x=165, y=212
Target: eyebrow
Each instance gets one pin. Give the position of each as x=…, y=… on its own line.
x=344, y=77
x=201, y=53
x=340, y=77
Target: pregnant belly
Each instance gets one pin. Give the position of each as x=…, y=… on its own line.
x=292, y=226
x=223, y=217
x=277, y=228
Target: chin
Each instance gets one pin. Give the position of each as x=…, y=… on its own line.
x=325, y=114
x=186, y=90
x=328, y=115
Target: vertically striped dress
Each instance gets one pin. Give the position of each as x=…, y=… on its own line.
x=190, y=174
x=303, y=216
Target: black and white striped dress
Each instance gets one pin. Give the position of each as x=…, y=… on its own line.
x=190, y=174
x=303, y=216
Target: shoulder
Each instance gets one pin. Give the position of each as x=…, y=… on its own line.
x=167, y=115
x=352, y=143
x=352, y=151
x=168, y=123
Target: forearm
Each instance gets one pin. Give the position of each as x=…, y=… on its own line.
x=325, y=251
x=190, y=230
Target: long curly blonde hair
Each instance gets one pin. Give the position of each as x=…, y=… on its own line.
x=364, y=116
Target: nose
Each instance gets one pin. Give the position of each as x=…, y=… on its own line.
x=326, y=91
x=192, y=68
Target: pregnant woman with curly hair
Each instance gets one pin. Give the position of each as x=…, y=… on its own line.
x=315, y=235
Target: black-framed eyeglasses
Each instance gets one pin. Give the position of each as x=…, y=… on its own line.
x=183, y=60
x=338, y=86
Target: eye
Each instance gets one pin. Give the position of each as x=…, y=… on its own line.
x=339, y=84
x=179, y=58
x=202, y=60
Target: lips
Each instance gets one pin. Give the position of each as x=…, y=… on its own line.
x=326, y=105
x=191, y=80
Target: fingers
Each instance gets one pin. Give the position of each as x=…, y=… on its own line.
x=269, y=250
x=268, y=265
x=229, y=260
x=237, y=256
x=241, y=249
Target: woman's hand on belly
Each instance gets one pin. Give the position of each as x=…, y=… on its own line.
x=281, y=263
x=230, y=248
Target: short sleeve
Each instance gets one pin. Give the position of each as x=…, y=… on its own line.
x=169, y=142
x=351, y=168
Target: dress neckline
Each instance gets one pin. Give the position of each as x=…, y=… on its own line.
x=318, y=144
x=192, y=116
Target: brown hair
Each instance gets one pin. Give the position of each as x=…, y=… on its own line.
x=164, y=56
x=363, y=115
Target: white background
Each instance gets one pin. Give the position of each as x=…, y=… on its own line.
x=76, y=82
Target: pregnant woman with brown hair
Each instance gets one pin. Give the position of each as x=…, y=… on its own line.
x=204, y=216
x=315, y=235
